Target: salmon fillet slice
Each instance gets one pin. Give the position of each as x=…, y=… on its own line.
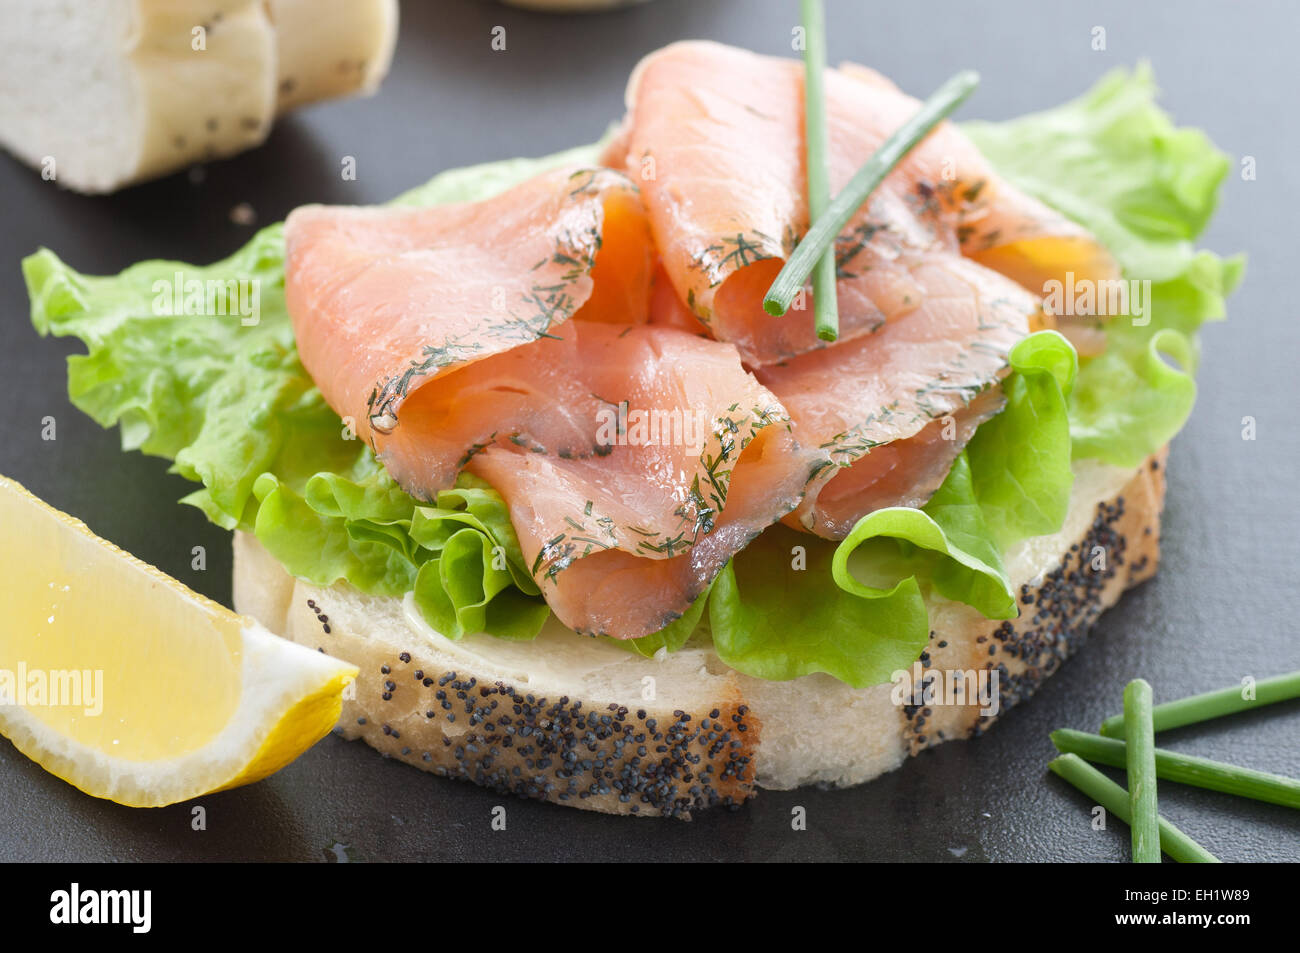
x=635, y=461
x=599, y=585
x=384, y=300
x=891, y=410
x=995, y=223
x=714, y=137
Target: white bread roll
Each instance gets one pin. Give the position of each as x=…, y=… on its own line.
x=100, y=95
x=330, y=48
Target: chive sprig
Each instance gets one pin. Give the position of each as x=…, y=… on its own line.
x=1224, y=701
x=1144, y=762
x=826, y=313
x=1102, y=790
x=1185, y=768
x=1140, y=762
x=820, y=239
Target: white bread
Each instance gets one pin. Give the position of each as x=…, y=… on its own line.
x=101, y=95
x=566, y=718
x=330, y=48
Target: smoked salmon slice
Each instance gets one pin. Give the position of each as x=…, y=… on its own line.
x=603, y=575
x=892, y=410
x=385, y=299
x=625, y=450
x=668, y=309
x=714, y=138
x=995, y=223
x=637, y=451
x=640, y=425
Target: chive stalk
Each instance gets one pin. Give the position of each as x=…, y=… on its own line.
x=1185, y=768
x=1225, y=701
x=826, y=227
x=1140, y=762
x=826, y=312
x=1102, y=790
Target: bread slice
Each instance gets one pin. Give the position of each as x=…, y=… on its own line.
x=100, y=95
x=582, y=722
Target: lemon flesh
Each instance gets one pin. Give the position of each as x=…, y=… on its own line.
x=128, y=685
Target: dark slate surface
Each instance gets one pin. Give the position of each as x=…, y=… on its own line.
x=1224, y=605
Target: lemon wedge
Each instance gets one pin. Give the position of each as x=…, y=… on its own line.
x=123, y=682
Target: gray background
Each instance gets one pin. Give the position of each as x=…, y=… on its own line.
x=1223, y=605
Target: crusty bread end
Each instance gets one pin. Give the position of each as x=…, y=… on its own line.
x=106, y=94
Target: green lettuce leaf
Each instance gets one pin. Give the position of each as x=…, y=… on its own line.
x=477, y=581
x=1114, y=162
x=1131, y=400
x=1020, y=459
x=776, y=613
